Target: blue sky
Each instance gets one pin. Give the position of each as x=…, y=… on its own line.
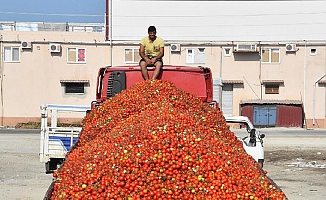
x=73, y=11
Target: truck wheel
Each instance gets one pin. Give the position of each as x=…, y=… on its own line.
x=48, y=167
x=52, y=165
x=261, y=163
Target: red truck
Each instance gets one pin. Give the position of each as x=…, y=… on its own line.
x=196, y=80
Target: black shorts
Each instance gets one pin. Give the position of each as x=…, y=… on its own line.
x=150, y=57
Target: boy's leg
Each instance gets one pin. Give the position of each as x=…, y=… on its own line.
x=143, y=67
x=158, y=66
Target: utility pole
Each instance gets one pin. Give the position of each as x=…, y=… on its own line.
x=107, y=21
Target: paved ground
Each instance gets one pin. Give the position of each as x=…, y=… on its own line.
x=22, y=176
x=294, y=158
x=296, y=161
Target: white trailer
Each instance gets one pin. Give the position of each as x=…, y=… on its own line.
x=56, y=141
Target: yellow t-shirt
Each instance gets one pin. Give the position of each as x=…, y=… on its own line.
x=152, y=48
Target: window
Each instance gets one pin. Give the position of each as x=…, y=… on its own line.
x=270, y=55
x=313, y=52
x=271, y=89
x=197, y=55
x=190, y=56
x=227, y=51
x=201, y=50
x=132, y=55
x=11, y=54
x=76, y=55
x=75, y=88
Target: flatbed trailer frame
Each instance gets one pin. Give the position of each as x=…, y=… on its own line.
x=56, y=141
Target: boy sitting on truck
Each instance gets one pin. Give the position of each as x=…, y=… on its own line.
x=151, y=51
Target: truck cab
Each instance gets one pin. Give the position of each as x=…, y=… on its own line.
x=252, y=143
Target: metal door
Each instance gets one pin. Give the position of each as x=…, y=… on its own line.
x=227, y=99
x=217, y=90
x=264, y=116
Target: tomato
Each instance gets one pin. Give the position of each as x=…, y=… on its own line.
x=155, y=141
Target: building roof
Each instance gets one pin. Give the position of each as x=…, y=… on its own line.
x=322, y=82
x=273, y=81
x=74, y=81
x=271, y=101
x=232, y=81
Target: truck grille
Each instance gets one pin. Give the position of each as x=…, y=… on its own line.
x=116, y=83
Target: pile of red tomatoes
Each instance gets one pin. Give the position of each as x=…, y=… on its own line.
x=155, y=141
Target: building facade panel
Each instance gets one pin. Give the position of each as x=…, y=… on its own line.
x=220, y=20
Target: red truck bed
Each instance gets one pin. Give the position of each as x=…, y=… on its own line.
x=196, y=80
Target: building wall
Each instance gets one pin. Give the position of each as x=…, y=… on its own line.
x=38, y=77
x=35, y=80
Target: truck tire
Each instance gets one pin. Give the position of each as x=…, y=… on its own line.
x=52, y=165
x=261, y=163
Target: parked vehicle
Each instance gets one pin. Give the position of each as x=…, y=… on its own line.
x=56, y=141
x=253, y=144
